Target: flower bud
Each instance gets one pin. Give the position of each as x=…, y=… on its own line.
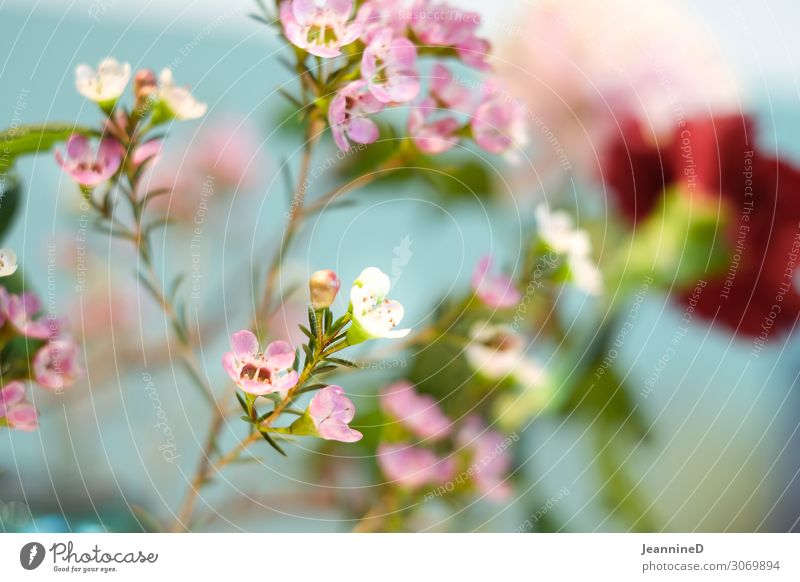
x=144, y=85
x=324, y=286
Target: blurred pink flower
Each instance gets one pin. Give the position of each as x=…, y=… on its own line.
x=447, y=91
x=582, y=65
x=439, y=24
x=22, y=310
x=321, y=27
x=226, y=149
x=499, y=124
x=420, y=413
x=147, y=152
x=55, y=365
x=496, y=291
x=15, y=409
x=331, y=412
x=388, y=67
x=431, y=129
x=87, y=167
x=260, y=373
x=490, y=460
x=348, y=115
x=377, y=15
x=413, y=467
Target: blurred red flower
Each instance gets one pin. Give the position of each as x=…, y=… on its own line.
x=717, y=160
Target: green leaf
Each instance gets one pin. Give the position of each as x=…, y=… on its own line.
x=601, y=397
x=342, y=362
x=312, y=321
x=10, y=196
x=272, y=443
x=242, y=403
x=32, y=139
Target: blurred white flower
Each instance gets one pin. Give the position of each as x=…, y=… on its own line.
x=557, y=231
x=179, y=100
x=8, y=262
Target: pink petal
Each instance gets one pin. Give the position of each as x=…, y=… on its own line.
x=336, y=430
x=230, y=367
x=244, y=344
x=363, y=131
x=279, y=355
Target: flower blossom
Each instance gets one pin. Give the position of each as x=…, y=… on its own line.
x=413, y=467
x=388, y=68
x=331, y=412
x=498, y=352
x=496, y=291
x=558, y=232
x=178, y=101
x=15, y=410
x=420, y=413
x=321, y=27
x=22, y=312
x=260, y=373
x=374, y=316
x=55, y=365
x=8, y=262
x=499, y=124
x=104, y=85
x=89, y=168
x=439, y=24
x=348, y=115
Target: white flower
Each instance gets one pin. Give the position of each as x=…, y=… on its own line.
x=178, y=100
x=498, y=352
x=374, y=316
x=8, y=262
x=106, y=84
x=557, y=230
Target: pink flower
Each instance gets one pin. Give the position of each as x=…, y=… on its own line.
x=413, y=467
x=388, y=67
x=331, y=411
x=418, y=412
x=348, y=113
x=431, y=135
x=260, y=373
x=21, y=311
x=439, y=24
x=85, y=166
x=377, y=15
x=147, y=152
x=490, y=459
x=321, y=27
x=496, y=291
x=447, y=91
x=15, y=409
x=499, y=124
x=55, y=365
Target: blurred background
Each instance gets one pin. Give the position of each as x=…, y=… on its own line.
x=116, y=450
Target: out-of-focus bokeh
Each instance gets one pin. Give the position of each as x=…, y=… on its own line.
x=117, y=449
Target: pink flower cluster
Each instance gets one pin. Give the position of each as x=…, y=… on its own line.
x=54, y=365
x=475, y=455
x=390, y=36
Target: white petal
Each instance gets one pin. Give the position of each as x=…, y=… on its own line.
x=8, y=262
